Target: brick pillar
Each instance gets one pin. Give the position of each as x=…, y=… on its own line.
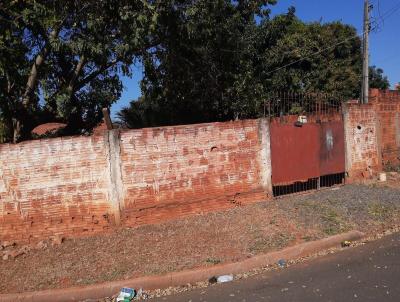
x=361, y=141
x=115, y=186
x=265, y=155
x=347, y=139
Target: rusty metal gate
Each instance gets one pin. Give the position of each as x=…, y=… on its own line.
x=307, y=152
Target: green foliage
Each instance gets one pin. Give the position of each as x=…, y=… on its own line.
x=203, y=69
x=327, y=56
x=61, y=60
x=13, y=68
x=377, y=78
x=79, y=49
x=215, y=62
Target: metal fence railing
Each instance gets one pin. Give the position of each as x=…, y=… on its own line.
x=289, y=103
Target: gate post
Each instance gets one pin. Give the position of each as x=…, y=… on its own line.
x=347, y=145
x=264, y=155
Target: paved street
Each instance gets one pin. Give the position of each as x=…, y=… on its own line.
x=367, y=273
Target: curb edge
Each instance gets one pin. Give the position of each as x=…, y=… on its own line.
x=101, y=290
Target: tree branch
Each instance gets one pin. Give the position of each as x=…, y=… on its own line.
x=95, y=74
x=10, y=85
x=76, y=73
x=33, y=75
x=103, y=68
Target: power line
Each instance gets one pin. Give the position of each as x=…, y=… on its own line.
x=390, y=12
x=313, y=54
x=386, y=15
x=379, y=12
x=377, y=17
x=382, y=17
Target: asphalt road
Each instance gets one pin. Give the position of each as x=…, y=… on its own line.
x=366, y=273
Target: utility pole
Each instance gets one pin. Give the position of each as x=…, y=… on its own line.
x=365, y=72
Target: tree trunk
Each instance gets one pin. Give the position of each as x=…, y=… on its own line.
x=16, y=130
x=32, y=83
x=76, y=74
x=33, y=76
x=32, y=80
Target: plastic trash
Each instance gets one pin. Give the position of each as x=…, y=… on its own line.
x=346, y=243
x=282, y=263
x=141, y=295
x=126, y=294
x=225, y=278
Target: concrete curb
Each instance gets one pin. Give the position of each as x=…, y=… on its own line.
x=98, y=291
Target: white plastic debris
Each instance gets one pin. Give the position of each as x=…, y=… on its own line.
x=302, y=119
x=225, y=278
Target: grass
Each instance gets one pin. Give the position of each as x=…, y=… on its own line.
x=326, y=214
x=263, y=243
x=380, y=211
x=213, y=261
x=333, y=221
x=308, y=238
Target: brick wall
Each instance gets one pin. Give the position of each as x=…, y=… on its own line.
x=84, y=185
x=362, y=152
x=387, y=106
x=81, y=185
x=176, y=171
x=53, y=186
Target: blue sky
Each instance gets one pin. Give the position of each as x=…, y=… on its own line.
x=384, y=43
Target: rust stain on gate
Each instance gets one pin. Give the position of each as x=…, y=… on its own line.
x=310, y=151
x=332, y=158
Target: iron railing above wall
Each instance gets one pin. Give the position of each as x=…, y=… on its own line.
x=290, y=103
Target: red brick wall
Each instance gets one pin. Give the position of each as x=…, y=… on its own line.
x=362, y=152
x=72, y=186
x=387, y=106
x=53, y=186
x=83, y=185
x=176, y=171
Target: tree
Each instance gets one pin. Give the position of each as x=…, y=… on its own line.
x=196, y=73
x=218, y=62
x=316, y=57
x=377, y=78
x=63, y=59
x=203, y=68
x=13, y=67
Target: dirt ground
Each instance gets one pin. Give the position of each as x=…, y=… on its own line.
x=206, y=239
